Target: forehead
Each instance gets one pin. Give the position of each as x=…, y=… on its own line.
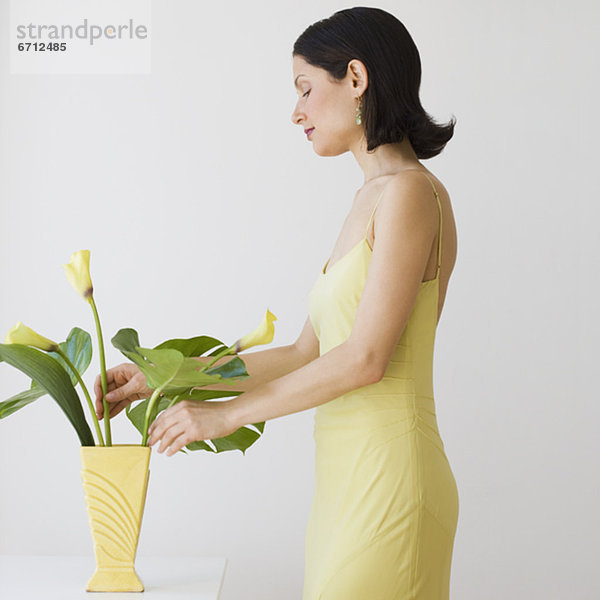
x=302, y=68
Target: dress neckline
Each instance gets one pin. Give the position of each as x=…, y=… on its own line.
x=325, y=271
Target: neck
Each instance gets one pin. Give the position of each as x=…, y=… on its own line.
x=384, y=160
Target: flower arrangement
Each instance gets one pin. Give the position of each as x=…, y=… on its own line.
x=173, y=370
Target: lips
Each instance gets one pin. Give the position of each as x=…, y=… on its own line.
x=309, y=131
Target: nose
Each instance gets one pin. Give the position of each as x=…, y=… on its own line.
x=297, y=116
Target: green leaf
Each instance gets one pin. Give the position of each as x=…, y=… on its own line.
x=199, y=445
x=241, y=439
x=232, y=368
x=13, y=404
x=199, y=394
x=126, y=340
x=158, y=366
x=170, y=369
x=52, y=377
x=78, y=347
x=195, y=346
x=190, y=372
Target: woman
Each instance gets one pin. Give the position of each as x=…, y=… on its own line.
x=385, y=505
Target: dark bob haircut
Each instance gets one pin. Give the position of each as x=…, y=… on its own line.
x=391, y=107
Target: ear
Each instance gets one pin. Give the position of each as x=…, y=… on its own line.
x=359, y=78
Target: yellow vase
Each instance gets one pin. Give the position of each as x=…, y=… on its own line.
x=115, y=482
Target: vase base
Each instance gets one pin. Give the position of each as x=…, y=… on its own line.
x=115, y=580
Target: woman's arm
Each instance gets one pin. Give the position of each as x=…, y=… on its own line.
x=318, y=379
x=266, y=365
x=262, y=366
x=333, y=374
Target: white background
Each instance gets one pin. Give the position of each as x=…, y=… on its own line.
x=202, y=205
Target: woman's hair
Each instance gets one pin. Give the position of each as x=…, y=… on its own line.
x=391, y=106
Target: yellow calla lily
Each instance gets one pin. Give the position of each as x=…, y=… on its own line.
x=263, y=334
x=21, y=334
x=78, y=274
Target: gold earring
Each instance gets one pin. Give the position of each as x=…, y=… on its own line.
x=358, y=111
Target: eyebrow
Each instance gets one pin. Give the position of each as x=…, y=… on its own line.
x=296, y=80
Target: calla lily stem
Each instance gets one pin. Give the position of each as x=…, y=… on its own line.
x=149, y=411
x=86, y=393
x=174, y=401
x=102, y=374
x=224, y=352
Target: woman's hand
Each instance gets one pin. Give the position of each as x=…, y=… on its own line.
x=190, y=421
x=125, y=384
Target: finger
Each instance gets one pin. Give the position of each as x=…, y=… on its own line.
x=119, y=407
x=98, y=388
x=170, y=435
x=99, y=403
x=114, y=409
x=98, y=391
x=177, y=444
x=160, y=425
x=123, y=392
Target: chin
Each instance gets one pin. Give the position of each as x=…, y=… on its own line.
x=328, y=150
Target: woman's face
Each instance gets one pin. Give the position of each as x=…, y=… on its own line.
x=326, y=107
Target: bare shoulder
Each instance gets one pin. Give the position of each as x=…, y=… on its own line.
x=409, y=191
x=408, y=197
x=411, y=182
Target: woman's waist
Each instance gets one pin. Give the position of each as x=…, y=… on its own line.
x=358, y=408
x=368, y=420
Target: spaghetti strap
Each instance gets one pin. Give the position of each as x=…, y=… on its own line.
x=373, y=212
x=439, y=252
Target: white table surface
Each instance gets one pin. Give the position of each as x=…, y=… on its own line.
x=35, y=577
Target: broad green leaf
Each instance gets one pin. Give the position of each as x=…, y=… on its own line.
x=13, y=404
x=126, y=340
x=78, y=347
x=189, y=393
x=199, y=445
x=232, y=368
x=159, y=366
x=169, y=369
x=200, y=394
x=189, y=373
x=195, y=346
x=240, y=439
x=175, y=358
x=53, y=378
